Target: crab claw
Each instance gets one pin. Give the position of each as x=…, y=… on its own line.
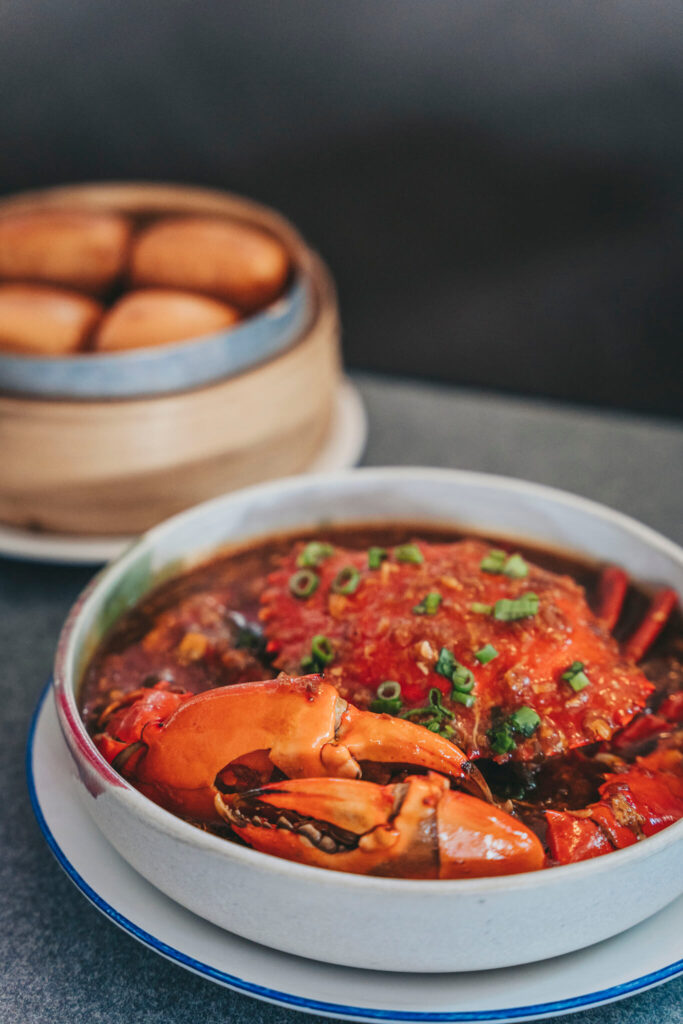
x=362, y=736
x=234, y=737
x=124, y=721
x=417, y=828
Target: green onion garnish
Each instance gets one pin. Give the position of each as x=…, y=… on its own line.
x=314, y=554
x=435, y=702
x=434, y=709
x=508, y=610
x=446, y=663
x=497, y=562
x=303, y=583
x=322, y=649
x=486, y=654
x=494, y=561
x=460, y=677
x=388, y=700
x=463, y=698
x=322, y=653
x=576, y=677
x=376, y=556
x=524, y=720
x=429, y=604
x=481, y=609
x=516, y=567
x=408, y=553
x=500, y=738
x=346, y=581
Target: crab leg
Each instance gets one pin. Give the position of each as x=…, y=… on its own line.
x=300, y=726
x=611, y=593
x=654, y=620
x=418, y=828
x=633, y=804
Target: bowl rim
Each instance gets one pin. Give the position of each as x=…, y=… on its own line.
x=82, y=746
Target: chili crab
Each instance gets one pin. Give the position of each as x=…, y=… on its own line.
x=207, y=756
x=447, y=667
x=505, y=657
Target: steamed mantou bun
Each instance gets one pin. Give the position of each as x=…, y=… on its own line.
x=69, y=248
x=223, y=258
x=42, y=321
x=157, y=316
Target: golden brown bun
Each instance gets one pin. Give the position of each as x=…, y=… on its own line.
x=223, y=258
x=42, y=321
x=84, y=251
x=158, y=316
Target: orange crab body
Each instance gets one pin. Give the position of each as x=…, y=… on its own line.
x=381, y=626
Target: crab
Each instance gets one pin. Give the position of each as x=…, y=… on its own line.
x=283, y=763
x=505, y=658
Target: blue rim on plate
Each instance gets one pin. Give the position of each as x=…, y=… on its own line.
x=178, y=366
x=591, y=999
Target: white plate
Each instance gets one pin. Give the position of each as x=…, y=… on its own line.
x=343, y=448
x=647, y=955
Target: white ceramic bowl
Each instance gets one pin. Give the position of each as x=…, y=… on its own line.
x=380, y=923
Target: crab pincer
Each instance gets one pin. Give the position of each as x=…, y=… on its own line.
x=417, y=828
x=235, y=738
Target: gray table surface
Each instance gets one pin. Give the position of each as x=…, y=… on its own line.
x=60, y=960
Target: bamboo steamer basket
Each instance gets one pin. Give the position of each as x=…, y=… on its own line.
x=119, y=466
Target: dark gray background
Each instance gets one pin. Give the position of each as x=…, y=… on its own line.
x=495, y=183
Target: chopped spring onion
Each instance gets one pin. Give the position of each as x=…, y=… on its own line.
x=409, y=553
x=481, y=609
x=429, y=604
x=322, y=653
x=525, y=720
x=494, y=561
x=446, y=663
x=463, y=698
x=303, y=583
x=509, y=610
x=346, y=581
x=498, y=562
x=314, y=554
x=436, y=703
x=576, y=677
x=461, y=678
x=434, y=713
x=500, y=738
x=486, y=654
x=516, y=567
x=376, y=556
x=388, y=700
